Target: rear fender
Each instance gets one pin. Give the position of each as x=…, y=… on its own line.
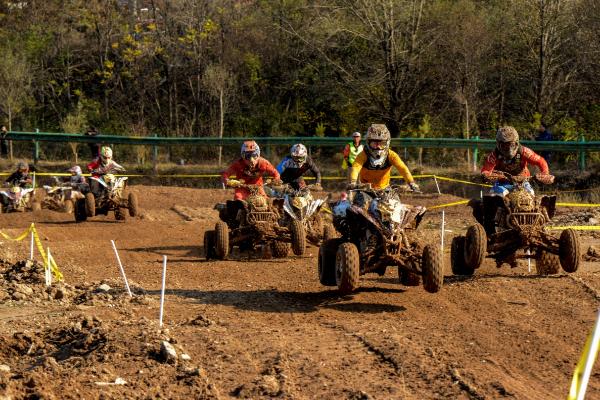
x=288, y=207
x=313, y=207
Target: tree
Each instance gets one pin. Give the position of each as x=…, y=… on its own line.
x=218, y=82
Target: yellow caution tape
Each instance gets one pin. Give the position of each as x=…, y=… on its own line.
x=577, y=205
x=54, y=267
x=456, y=203
x=576, y=227
x=443, y=178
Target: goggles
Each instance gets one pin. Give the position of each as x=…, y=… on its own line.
x=249, y=155
x=507, y=146
x=377, y=144
x=299, y=159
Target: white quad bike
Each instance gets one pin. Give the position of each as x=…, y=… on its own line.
x=61, y=198
x=18, y=199
x=111, y=198
x=300, y=205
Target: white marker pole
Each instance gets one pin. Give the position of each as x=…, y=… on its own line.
x=162, y=291
x=443, y=228
x=589, y=360
x=31, y=247
x=436, y=184
x=121, y=268
x=47, y=269
x=528, y=261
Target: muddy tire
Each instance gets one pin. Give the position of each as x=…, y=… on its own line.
x=209, y=245
x=457, y=257
x=433, y=269
x=475, y=246
x=132, y=202
x=120, y=214
x=36, y=206
x=280, y=249
x=90, y=204
x=68, y=206
x=347, y=268
x=326, y=266
x=546, y=263
x=329, y=232
x=79, y=211
x=221, y=240
x=1, y=208
x=298, y=236
x=569, y=250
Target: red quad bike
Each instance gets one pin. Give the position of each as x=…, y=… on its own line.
x=512, y=223
x=250, y=224
x=380, y=234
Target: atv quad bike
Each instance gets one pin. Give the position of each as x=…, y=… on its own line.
x=512, y=223
x=110, y=198
x=376, y=235
x=18, y=199
x=299, y=205
x=62, y=197
x=250, y=224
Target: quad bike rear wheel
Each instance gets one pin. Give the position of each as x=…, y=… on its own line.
x=132, y=202
x=79, y=211
x=433, y=268
x=347, y=268
x=475, y=246
x=68, y=206
x=36, y=206
x=326, y=268
x=209, y=245
x=298, y=237
x=546, y=263
x=280, y=249
x=221, y=240
x=90, y=204
x=120, y=214
x=569, y=250
x=457, y=257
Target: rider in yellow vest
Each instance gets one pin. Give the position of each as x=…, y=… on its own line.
x=352, y=150
x=374, y=165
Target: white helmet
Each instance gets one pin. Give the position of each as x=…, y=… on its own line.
x=76, y=170
x=299, y=153
x=105, y=154
x=378, y=144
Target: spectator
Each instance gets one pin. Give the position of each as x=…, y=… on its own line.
x=351, y=150
x=544, y=135
x=94, y=147
x=3, y=142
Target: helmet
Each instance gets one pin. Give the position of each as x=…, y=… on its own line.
x=507, y=141
x=250, y=150
x=298, y=153
x=105, y=154
x=378, y=143
x=22, y=166
x=76, y=170
x=356, y=134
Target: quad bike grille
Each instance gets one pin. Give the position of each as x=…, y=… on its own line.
x=525, y=220
x=255, y=217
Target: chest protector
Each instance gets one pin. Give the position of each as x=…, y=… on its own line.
x=514, y=166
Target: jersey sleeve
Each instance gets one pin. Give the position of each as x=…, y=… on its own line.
x=281, y=166
x=315, y=170
x=537, y=160
x=357, y=166
x=268, y=168
x=400, y=166
x=489, y=164
x=232, y=170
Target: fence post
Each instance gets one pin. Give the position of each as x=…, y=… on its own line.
x=36, y=149
x=155, y=157
x=582, y=154
x=475, y=154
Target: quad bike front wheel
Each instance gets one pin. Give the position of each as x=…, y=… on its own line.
x=298, y=236
x=221, y=240
x=326, y=263
x=475, y=246
x=280, y=249
x=120, y=214
x=569, y=250
x=546, y=263
x=68, y=206
x=433, y=269
x=347, y=268
x=457, y=257
x=209, y=245
x=132, y=202
x=90, y=204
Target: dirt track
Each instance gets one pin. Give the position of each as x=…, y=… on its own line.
x=267, y=328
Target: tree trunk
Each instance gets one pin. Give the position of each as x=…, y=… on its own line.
x=467, y=130
x=221, y=118
x=10, y=146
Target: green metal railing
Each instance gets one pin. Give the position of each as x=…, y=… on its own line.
x=580, y=147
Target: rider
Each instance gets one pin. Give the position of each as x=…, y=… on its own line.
x=510, y=157
x=77, y=180
x=293, y=167
x=102, y=165
x=351, y=150
x=248, y=169
x=20, y=177
x=374, y=164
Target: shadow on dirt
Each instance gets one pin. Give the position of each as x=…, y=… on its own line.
x=181, y=251
x=481, y=277
x=289, y=302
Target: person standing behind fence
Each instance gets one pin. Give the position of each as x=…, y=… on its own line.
x=351, y=151
x=94, y=147
x=543, y=136
x=3, y=142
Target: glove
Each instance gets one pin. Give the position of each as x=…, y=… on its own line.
x=233, y=183
x=545, y=179
x=414, y=187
